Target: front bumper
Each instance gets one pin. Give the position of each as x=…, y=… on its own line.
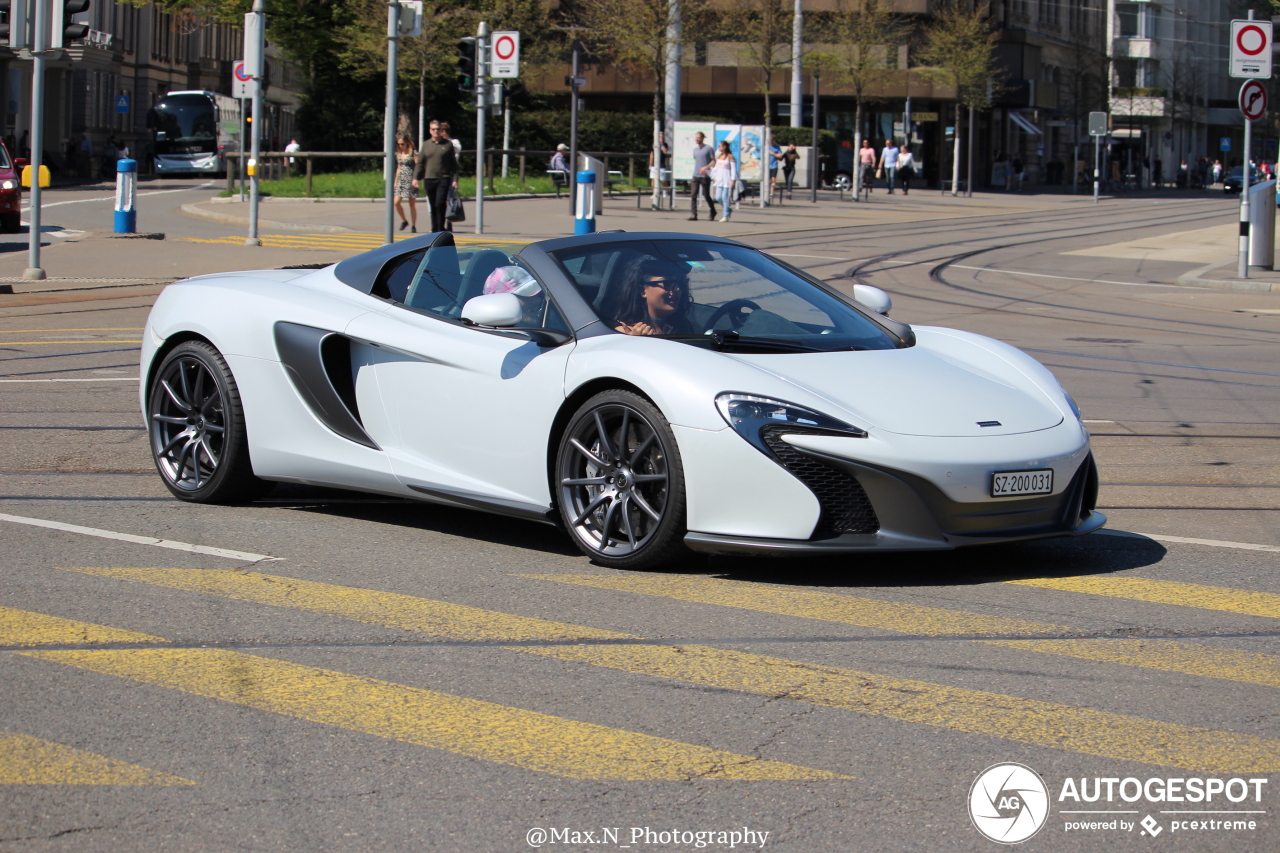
x=915, y=515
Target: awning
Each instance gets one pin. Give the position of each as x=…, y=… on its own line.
x=1026, y=126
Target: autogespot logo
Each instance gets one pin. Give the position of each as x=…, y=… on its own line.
x=1009, y=803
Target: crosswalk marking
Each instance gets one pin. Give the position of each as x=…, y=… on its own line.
x=26, y=760
x=1181, y=594
x=1167, y=655
x=470, y=727
x=1046, y=724
x=24, y=628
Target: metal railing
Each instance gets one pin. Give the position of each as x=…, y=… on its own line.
x=273, y=165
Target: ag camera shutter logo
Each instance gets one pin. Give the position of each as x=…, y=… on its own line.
x=1009, y=803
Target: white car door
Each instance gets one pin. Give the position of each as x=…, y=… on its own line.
x=471, y=408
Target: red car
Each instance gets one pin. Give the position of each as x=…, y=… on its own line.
x=10, y=191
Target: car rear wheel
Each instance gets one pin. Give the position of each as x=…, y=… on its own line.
x=197, y=430
x=621, y=484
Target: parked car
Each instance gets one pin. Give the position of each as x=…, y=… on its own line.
x=10, y=191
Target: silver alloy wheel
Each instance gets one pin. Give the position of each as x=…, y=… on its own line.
x=614, y=480
x=188, y=424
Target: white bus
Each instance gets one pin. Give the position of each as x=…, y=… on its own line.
x=193, y=132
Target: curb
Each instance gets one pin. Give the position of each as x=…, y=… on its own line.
x=227, y=219
x=1193, y=279
x=301, y=199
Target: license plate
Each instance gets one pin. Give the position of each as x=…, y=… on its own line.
x=1007, y=483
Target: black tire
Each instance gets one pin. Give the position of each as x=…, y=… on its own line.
x=619, y=453
x=11, y=223
x=198, y=438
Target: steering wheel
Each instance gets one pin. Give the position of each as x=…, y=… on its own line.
x=734, y=309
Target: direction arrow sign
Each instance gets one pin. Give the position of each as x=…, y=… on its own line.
x=1251, y=49
x=504, y=55
x=1253, y=100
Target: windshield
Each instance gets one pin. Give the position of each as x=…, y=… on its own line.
x=185, y=124
x=715, y=294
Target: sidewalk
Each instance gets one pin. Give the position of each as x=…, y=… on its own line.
x=307, y=231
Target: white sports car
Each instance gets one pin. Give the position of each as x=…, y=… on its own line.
x=652, y=393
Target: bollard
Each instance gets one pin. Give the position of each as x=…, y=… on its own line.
x=585, y=216
x=126, y=188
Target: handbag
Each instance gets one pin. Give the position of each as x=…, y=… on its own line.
x=879, y=173
x=454, y=211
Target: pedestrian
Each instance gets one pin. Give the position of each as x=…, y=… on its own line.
x=406, y=188
x=1217, y=171
x=122, y=152
x=775, y=160
x=84, y=158
x=906, y=167
x=438, y=168
x=24, y=147
x=889, y=163
x=560, y=161
x=703, y=157
x=292, y=148
x=724, y=177
x=108, y=157
x=1016, y=174
x=867, y=162
x=789, y=159
x=446, y=131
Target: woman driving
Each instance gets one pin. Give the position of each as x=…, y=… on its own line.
x=652, y=299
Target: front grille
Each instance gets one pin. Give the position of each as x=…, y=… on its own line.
x=845, y=505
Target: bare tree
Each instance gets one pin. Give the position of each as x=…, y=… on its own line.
x=1082, y=90
x=866, y=34
x=960, y=46
x=763, y=28
x=632, y=34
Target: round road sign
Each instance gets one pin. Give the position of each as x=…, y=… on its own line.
x=504, y=47
x=238, y=70
x=1251, y=40
x=1253, y=100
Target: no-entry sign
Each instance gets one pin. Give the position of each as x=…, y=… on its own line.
x=504, y=55
x=1251, y=49
x=1253, y=100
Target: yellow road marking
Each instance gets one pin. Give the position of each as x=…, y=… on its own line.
x=1167, y=655
x=1029, y=721
x=103, y=329
x=389, y=609
x=808, y=604
x=26, y=760
x=470, y=727
x=1168, y=592
x=55, y=343
x=24, y=628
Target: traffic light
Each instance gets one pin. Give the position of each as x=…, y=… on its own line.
x=14, y=32
x=466, y=64
x=63, y=28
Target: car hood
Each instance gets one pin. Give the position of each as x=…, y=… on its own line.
x=915, y=391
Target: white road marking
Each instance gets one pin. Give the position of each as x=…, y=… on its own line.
x=1087, y=421
x=113, y=195
x=1066, y=277
x=97, y=379
x=1185, y=540
x=140, y=540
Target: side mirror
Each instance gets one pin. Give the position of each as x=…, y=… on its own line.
x=21, y=163
x=872, y=297
x=499, y=310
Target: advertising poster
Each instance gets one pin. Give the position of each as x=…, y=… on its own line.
x=751, y=152
x=732, y=134
x=682, y=145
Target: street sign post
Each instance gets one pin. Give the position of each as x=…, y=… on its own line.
x=505, y=55
x=122, y=103
x=1097, y=129
x=1251, y=49
x=242, y=83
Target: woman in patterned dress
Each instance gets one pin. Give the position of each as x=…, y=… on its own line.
x=406, y=183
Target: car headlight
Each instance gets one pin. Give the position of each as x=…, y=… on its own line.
x=8, y=185
x=750, y=416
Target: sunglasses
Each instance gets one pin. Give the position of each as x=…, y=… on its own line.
x=665, y=284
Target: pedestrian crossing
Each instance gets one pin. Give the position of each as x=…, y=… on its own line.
x=578, y=747
x=353, y=241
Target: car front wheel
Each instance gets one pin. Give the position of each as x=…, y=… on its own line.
x=197, y=430
x=620, y=483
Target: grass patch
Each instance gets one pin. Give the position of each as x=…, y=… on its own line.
x=370, y=185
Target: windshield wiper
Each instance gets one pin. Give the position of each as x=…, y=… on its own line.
x=730, y=339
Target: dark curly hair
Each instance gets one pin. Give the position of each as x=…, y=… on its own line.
x=627, y=303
